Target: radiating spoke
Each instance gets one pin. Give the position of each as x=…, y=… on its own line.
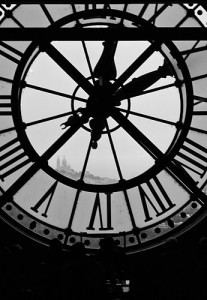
x=39, y=88
x=66, y=66
x=86, y=160
x=48, y=119
x=121, y=178
x=199, y=77
x=159, y=88
x=88, y=61
x=148, y=117
x=192, y=50
x=3, y=131
x=136, y=134
x=114, y=152
x=198, y=130
x=79, y=190
x=64, y=138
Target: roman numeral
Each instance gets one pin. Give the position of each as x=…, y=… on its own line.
x=5, y=105
x=95, y=6
x=90, y=6
x=11, y=158
x=10, y=52
x=154, y=198
x=193, y=157
x=97, y=209
x=46, y=197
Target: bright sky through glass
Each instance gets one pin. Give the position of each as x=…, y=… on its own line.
x=36, y=105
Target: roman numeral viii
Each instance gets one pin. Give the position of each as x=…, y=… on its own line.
x=193, y=156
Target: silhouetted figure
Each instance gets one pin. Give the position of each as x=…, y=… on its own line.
x=112, y=258
x=82, y=277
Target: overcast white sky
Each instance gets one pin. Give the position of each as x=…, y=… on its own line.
x=133, y=159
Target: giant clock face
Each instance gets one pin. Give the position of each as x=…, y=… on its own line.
x=103, y=137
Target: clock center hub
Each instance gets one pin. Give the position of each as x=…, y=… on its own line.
x=100, y=103
x=99, y=106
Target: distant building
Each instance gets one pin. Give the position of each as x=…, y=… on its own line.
x=64, y=168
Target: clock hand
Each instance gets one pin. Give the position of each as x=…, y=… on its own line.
x=73, y=119
x=139, y=84
x=66, y=66
x=172, y=167
x=105, y=69
x=134, y=66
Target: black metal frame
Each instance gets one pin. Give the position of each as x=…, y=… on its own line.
x=101, y=1
x=124, y=34
x=39, y=34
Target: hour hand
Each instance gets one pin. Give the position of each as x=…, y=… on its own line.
x=105, y=68
x=139, y=84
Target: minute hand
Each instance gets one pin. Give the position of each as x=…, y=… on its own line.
x=106, y=68
x=139, y=84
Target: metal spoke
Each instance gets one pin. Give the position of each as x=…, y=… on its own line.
x=86, y=160
x=78, y=191
x=48, y=119
x=199, y=77
x=121, y=178
x=7, y=130
x=88, y=61
x=114, y=152
x=148, y=117
x=136, y=134
x=192, y=50
x=198, y=130
x=35, y=87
